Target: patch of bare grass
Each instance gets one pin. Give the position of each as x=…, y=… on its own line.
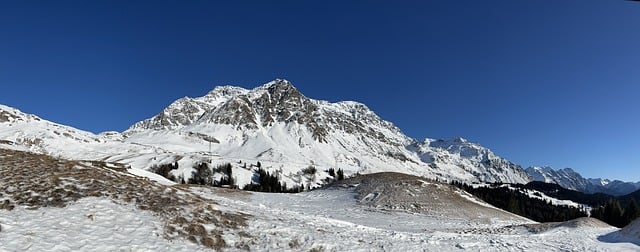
x=34, y=181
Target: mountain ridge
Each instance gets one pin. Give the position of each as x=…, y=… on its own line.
x=570, y=179
x=346, y=130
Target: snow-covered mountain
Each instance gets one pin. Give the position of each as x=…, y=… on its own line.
x=570, y=179
x=27, y=132
x=274, y=124
x=30, y=132
x=277, y=124
x=463, y=157
x=566, y=177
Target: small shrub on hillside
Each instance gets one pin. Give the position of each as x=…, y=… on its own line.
x=336, y=176
x=340, y=174
x=267, y=182
x=165, y=170
x=309, y=170
x=202, y=175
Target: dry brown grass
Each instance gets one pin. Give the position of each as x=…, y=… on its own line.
x=35, y=181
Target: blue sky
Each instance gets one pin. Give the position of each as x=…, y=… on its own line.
x=540, y=82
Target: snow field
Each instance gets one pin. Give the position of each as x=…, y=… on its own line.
x=192, y=218
x=333, y=219
x=32, y=182
x=89, y=224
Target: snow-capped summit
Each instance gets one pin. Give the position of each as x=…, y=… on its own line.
x=281, y=84
x=224, y=91
x=276, y=101
x=599, y=181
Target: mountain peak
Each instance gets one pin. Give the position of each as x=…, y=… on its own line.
x=460, y=140
x=9, y=114
x=281, y=82
x=280, y=89
x=568, y=170
x=276, y=84
x=225, y=90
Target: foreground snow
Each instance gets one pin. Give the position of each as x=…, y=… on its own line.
x=329, y=220
x=90, y=224
x=92, y=206
x=332, y=220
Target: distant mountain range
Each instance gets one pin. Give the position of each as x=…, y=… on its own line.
x=287, y=132
x=570, y=179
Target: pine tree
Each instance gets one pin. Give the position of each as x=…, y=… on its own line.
x=631, y=212
x=202, y=175
x=340, y=174
x=332, y=172
x=228, y=169
x=613, y=213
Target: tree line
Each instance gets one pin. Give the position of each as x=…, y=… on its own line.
x=614, y=214
x=615, y=211
x=262, y=180
x=517, y=202
x=201, y=174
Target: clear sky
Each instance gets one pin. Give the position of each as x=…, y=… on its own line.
x=540, y=82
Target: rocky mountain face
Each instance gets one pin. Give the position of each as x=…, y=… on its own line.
x=570, y=179
x=185, y=111
x=275, y=102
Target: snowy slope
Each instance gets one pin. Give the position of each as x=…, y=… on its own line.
x=91, y=224
x=632, y=230
x=26, y=132
x=32, y=133
x=341, y=222
x=570, y=179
